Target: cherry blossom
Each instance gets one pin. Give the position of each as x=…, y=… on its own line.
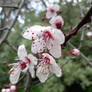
x=47, y=38
x=26, y=62
x=52, y=10
x=89, y=34
x=75, y=52
x=57, y=22
x=46, y=67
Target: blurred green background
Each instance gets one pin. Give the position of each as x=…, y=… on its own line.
x=77, y=75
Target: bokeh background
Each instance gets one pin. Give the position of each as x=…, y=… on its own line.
x=77, y=75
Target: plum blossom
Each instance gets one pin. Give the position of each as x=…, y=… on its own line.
x=26, y=62
x=46, y=67
x=89, y=34
x=52, y=10
x=45, y=38
x=75, y=52
x=57, y=22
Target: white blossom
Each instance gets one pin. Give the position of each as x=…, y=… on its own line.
x=57, y=22
x=46, y=67
x=25, y=62
x=52, y=10
x=46, y=38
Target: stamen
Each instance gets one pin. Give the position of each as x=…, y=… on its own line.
x=22, y=65
x=47, y=35
x=28, y=60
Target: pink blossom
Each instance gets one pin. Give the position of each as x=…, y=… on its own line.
x=25, y=62
x=13, y=88
x=47, y=38
x=46, y=67
x=75, y=52
x=52, y=10
x=57, y=22
x=89, y=34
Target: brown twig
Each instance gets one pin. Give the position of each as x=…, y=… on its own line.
x=12, y=24
x=86, y=19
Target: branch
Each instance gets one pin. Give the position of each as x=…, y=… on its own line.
x=12, y=24
x=9, y=6
x=74, y=31
x=81, y=54
x=28, y=81
x=11, y=46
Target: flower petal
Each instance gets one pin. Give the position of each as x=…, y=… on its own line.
x=55, y=50
x=31, y=70
x=38, y=46
x=33, y=32
x=50, y=15
x=54, y=68
x=15, y=74
x=59, y=36
x=42, y=73
x=33, y=59
x=22, y=53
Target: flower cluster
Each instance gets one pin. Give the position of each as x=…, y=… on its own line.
x=56, y=21
x=11, y=89
x=46, y=42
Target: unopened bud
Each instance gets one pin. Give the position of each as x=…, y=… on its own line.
x=13, y=88
x=88, y=26
x=8, y=90
x=75, y=52
x=3, y=90
x=89, y=34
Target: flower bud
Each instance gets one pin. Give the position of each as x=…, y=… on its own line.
x=88, y=26
x=13, y=88
x=3, y=90
x=8, y=90
x=89, y=34
x=75, y=52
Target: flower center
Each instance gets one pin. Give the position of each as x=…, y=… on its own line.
x=51, y=10
x=47, y=35
x=22, y=65
x=58, y=24
x=28, y=60
x=46, y=60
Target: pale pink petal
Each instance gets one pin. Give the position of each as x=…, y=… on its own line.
x=56, y=7
x=54, y=68
x=38, y=46
x=22, y=53
x=33, y=59
x=50, y=15
x=59, y=36
x=33, y=32
x=42, y=73
x=31, y=70
x=15, y=74
x=55, y=50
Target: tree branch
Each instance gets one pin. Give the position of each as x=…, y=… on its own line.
x=11, y=46
x=86, y=19
x=12, y=24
